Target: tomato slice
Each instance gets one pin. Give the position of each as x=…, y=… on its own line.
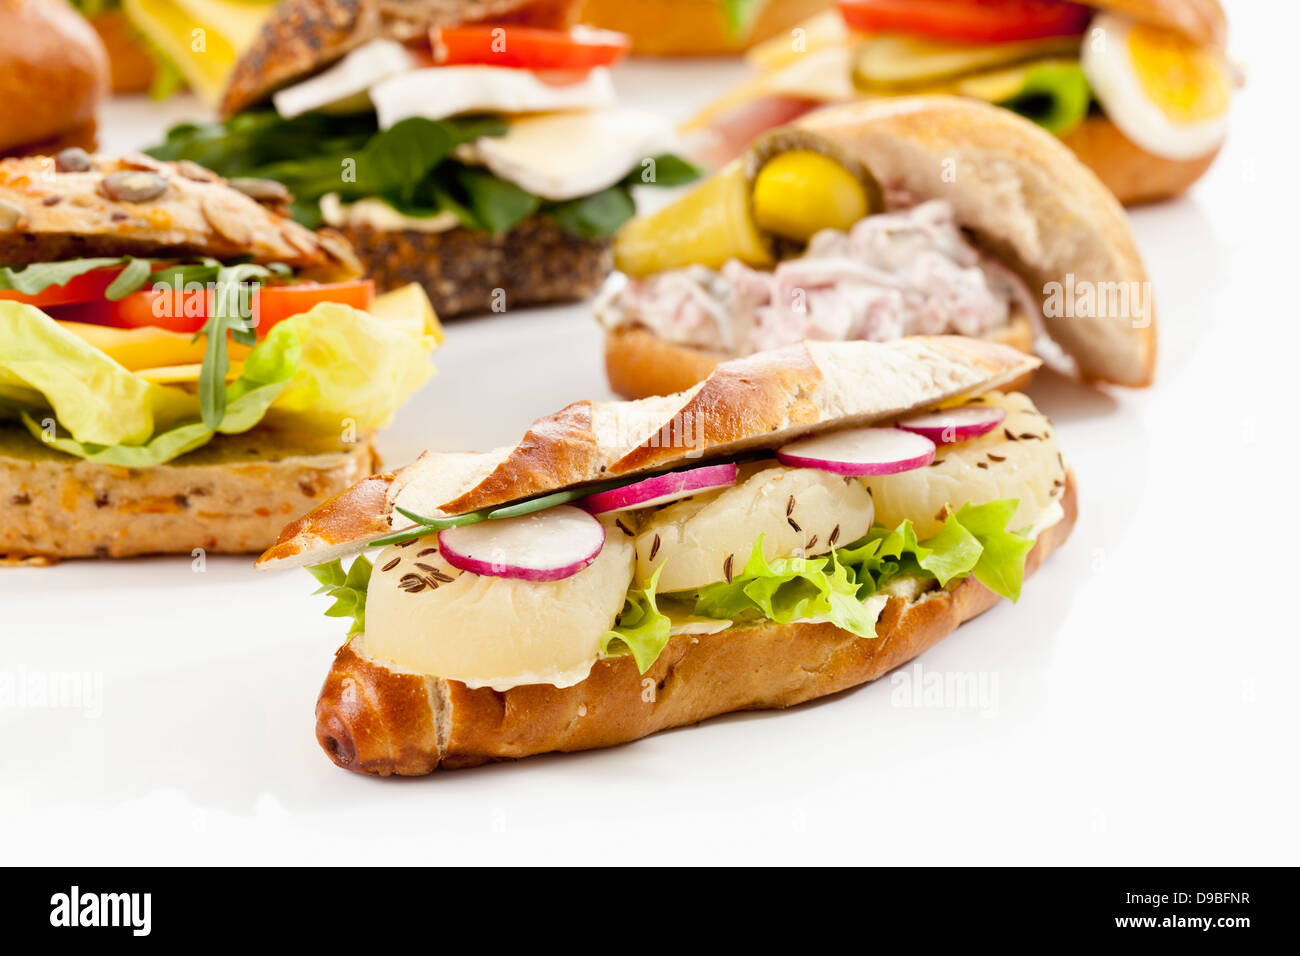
x=188, y=311
x=529, y=48
x=975, y=21
x=87, y=287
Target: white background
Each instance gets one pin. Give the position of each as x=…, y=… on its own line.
x=1146, y=684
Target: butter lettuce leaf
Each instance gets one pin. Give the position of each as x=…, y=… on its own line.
x=641, y=629
x=324, y=370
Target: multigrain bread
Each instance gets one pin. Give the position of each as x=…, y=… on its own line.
x=465, y=271
x=230, y=496
x=69, y=207
x=373, y=720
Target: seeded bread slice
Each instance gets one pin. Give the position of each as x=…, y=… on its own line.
x=230, y=496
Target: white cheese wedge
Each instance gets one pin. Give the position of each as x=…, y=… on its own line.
x=537, y=153
x=347, y=81
x=377, y=214
x=442, y=91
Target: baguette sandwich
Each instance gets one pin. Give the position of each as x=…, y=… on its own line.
x=181, y=364
x=472, y=146
x=926, y=215
x=801, y=522
x=1139, y=89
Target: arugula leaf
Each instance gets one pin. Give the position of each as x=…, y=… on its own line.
x=498, y=205
x=597, y=216
x=398, y=159
x=39, y=276
x=129, y=279
x=668, y=170
x=227, y=316
x=640, y=629
x=348, y=589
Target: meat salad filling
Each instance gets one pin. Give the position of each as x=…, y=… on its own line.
x=906, y=272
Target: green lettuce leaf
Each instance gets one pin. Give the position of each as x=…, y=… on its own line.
x=1056, y=96
x=789, y=589
x=641, y=629
x=347, y=588
x=316, y=371
x=39, y=276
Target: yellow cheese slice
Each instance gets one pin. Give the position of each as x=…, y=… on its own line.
x=184, y=374
x=202, y=37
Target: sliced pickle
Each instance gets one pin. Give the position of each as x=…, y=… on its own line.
x=890, y=63
x=712, y=223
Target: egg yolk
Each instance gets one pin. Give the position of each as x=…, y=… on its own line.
x=1187, y=82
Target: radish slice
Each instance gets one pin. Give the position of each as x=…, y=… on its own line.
x=543, y=546
x=951, y=425
x=661, y=489
x=860, y=451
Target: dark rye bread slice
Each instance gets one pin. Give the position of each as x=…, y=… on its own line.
x=230, y=496
x=303, y=36
x=466, y=272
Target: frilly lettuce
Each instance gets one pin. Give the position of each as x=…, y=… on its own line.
x=311, y=372
x=641, y=629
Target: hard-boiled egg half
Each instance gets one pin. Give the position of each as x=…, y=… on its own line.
x=1166, y=93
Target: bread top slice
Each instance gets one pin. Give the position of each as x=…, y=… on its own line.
x=1030, y=203
x=48, y=213
x=301, y=37
x=1199, y=20
x=752, y=403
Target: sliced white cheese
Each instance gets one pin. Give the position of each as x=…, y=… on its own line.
x=377, y=214
x=442, y=91
x=347, y=81
x=537, y=153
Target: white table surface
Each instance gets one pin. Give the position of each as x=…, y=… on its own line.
x=1141, y=698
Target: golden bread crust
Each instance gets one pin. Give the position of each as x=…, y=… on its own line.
x=1130, y=172
x=376, y=721
x=639, y=364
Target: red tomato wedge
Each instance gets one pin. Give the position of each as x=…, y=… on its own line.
x=974, y=21
x=86, y=287
x=528, y=48
x=188, y=311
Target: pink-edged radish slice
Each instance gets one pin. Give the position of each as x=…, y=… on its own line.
x=860, y=452
x=546, y=545
x=950, y=425
x=661, y=489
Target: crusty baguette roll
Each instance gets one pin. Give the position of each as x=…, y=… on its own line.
x=1028, y=201
x=374, y=720
x=754, y=402
x=230, y=496
x=53, y=76
x=639, y=364
x=51, y=208
x=1127, y=170
x=694, y=27
x=378, y=717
